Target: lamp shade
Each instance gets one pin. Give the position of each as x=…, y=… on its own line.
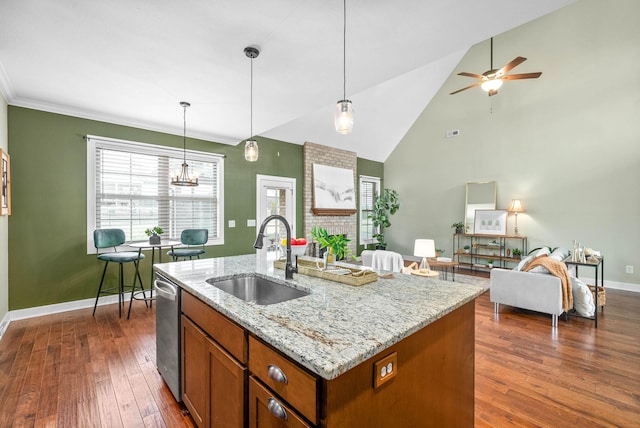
x=424, y=248
x=516, y=206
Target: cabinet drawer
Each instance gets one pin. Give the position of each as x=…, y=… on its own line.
x=299, y=389
x=220, y=328
x=267, y=411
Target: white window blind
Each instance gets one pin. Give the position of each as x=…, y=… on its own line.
x=128, y=187
x=369, y=191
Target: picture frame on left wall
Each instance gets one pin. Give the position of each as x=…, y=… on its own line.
x=5, y=189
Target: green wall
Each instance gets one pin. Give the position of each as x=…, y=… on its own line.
x=567, y=144
x=47, y=232
x=4, y=225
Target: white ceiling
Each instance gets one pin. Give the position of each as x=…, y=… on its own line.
x=132, y=62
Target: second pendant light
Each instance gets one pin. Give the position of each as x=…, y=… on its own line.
x=344, y=108
x=251, y=146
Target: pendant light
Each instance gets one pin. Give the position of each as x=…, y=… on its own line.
x=251, y=146
x=183, y=179
x=344, y=108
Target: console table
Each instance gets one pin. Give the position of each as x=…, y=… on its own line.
x=598, y=279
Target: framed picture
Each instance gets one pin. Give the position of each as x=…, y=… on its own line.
x=334, y=190
x=490, y=222
x=5, y=171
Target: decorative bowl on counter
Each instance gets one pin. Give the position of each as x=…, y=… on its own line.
x=296, y=250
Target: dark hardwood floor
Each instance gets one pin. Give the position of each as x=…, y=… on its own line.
x=74, y=370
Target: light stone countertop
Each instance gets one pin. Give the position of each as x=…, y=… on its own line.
x=337, y=326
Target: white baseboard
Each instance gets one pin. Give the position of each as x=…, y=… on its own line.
x=4, y=324
x=38, y=311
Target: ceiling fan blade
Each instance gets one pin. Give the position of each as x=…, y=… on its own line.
x=468, y=87
x=522, y=76
x=475, y=76
x=513, y=64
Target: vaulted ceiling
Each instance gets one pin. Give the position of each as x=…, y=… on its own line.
x=132, y=62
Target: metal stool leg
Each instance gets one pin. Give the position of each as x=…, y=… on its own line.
x=121, y=290
x=136, y=275
x=104, y=271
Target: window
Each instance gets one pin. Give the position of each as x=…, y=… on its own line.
x=128, y=187
x=369, y=191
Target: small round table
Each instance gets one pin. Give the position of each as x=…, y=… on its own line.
x=445, y=267
x=145, y=245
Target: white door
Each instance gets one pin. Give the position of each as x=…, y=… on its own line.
x=275, y=195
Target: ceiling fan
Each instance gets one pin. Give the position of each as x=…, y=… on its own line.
x=491, y=80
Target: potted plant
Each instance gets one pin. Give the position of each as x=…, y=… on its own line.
x=467, y=249
x=490, y=263
x=517, y=253
x=459, y=227
x=154, y=234
x=439, y=252
x=336, y=244
x=384, y=207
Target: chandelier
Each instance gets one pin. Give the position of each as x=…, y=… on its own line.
x=183, y=179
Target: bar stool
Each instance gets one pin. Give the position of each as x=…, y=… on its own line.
x=194, y=239
x=111, y=238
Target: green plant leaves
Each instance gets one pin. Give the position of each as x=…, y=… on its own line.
x=337, y=243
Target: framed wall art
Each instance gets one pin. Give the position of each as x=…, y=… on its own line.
x=5, y=190
x=490, y=222
x=334, y=190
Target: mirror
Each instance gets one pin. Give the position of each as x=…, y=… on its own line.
x=480, y=196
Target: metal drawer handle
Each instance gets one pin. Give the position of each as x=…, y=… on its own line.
x=276, y=374
x=276, y=409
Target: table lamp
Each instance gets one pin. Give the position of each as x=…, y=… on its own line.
x=516, y=207
x=424, y=248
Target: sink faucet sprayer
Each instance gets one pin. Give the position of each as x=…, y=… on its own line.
x=289, y=269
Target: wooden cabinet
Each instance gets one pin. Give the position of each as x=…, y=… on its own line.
x=288, y=380
x=486, y=250
x=432, y=384
x=214, y=381
x=227, y=384
x=194, y=386
x=267, y=410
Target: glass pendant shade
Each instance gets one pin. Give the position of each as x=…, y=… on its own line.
x=344, y=117
x=251, y=151
x=491, y=85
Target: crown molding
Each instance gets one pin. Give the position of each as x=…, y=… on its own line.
x=69, y=111
x=5, y=85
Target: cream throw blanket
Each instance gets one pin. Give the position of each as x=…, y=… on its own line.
x=559, y=269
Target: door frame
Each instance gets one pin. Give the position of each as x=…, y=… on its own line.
x=275, y=181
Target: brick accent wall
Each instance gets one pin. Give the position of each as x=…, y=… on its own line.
x=316, y=153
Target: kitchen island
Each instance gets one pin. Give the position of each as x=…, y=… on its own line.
x=396, y=352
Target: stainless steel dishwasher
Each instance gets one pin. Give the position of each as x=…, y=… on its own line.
x=168, y=334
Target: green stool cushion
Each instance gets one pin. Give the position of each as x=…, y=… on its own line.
x=185, y=252
x=122, y=257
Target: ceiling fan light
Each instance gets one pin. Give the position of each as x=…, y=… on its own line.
x=491, y=85
x=344, y=117
x=251, y=151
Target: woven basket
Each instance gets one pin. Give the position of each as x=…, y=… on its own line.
x=602, y=295
x=309, y=267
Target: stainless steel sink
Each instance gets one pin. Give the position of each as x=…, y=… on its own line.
x=257, y=290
